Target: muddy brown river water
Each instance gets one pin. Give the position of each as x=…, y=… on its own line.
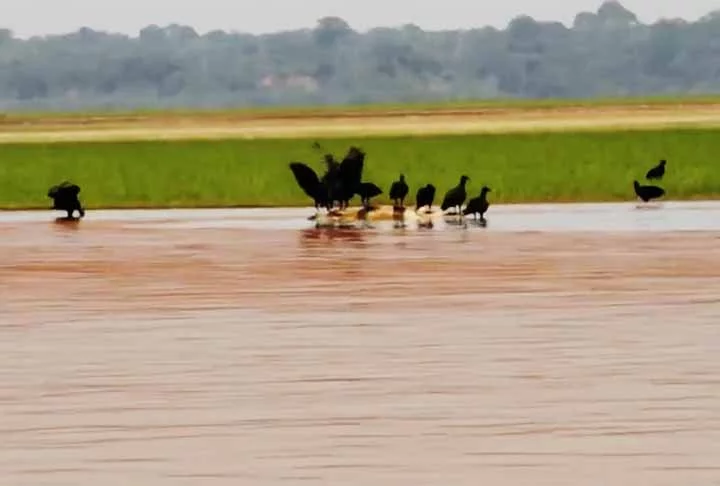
x=572, y=344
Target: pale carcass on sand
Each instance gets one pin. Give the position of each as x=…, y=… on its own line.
x=350, y=217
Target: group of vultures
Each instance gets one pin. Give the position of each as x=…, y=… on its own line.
x=344, y=180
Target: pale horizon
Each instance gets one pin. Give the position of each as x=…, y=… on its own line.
x=129, y=16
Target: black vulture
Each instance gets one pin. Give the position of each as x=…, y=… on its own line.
x=656, y=172
x=339, y=183
x=425, y=197
x=399, y=191
x=647, y=193
x=65, y=198
x=455, y=197
x=331, y=178
x=368, y=190
x=478, y=205
x=350, y=176
x=308, y=181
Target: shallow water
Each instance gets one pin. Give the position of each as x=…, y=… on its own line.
x=571, y=344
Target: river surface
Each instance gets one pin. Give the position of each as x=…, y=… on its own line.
x=561, y=344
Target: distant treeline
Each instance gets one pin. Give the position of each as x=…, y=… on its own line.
x=604, y=54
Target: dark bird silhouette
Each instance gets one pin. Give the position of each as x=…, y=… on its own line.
x=309, y=182
x=648, y=193
x=656, y=172
x=399, y=191
x=368, y=190
x=425, y=197
x=343, y=179
x=339, y=183
x=456, y=196
x=350, y=176
x=331, y=178
x=478, y=205
x=65, y=198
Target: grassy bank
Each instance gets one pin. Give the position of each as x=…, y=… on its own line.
x=531, y=167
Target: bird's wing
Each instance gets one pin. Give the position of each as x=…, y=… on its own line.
x=66, y=188
x=446, y=200
x=306, y=178
x=72, y=189
x=472, y=205
x=371, y=190
x=53, y=191
x=351, y=168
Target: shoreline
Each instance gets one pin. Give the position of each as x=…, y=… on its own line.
x=699, y=199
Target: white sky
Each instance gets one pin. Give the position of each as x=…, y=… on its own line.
x=32, y=17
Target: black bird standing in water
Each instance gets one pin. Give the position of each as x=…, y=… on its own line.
x=456, y=196
x=648, y=193
x=656, y=172
x=399, y=191
x=425, y=197
x=65, y=198
x=478, y=205
x=368, y=190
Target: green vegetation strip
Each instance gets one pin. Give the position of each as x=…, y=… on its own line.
x=531, y=167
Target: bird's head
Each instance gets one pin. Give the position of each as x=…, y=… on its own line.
x=464, y=179
x=402, y=177
x=485, y=190
x=663, y=162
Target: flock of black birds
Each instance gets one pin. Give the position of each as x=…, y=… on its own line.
x=648, y=193
x=343, y=180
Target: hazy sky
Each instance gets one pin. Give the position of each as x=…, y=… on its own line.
x=30, y=17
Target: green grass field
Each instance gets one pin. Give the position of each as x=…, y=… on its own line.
x=532, y=167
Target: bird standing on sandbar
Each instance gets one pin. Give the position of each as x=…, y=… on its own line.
x=368, y=190
x=399, y=191
x=478, y=205
x=648, y=193
x=65, y=198
x=425, y=197
x=456, y=196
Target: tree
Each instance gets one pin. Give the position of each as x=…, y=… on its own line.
x=330, y=30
